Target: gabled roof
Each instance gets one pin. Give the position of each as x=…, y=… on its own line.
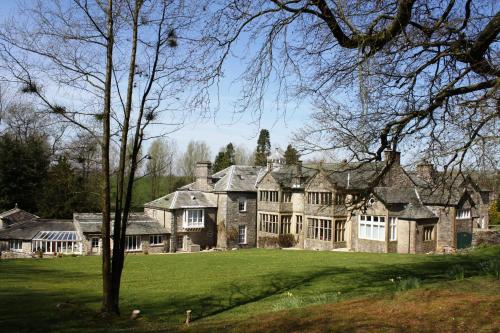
x=28, y=229
x=184, y=199
x=138, y=224
x=396, y=195
x=16, y=215
x=416, y=212
x=355, y=176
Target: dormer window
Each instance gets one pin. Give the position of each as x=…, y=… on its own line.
x=463, y=214
x=194, y=218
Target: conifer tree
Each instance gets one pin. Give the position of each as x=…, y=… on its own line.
x=263, y=148
x=291, y=155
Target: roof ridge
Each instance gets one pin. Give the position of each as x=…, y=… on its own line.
x=174, y=199
x=230, y=177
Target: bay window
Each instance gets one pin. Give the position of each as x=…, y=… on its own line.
x=320, y=229
x=194, y=218
x=372, y=227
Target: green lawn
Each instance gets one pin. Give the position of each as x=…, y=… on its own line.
x=215, y=286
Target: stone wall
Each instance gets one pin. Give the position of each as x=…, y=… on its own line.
x=485, y=237
x=221, y=220
x=205, y=237
x=422, y=246
x=248, y=218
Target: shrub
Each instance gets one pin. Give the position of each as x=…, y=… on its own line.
x=491, y=267
x=232, y=234
x=268, y=241
x=286, y=240
x=456, y=272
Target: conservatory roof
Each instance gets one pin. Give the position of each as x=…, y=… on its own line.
x=56, y=236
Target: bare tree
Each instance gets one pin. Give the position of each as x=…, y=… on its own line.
x=91, y=51
x=196, y=151
x=384, y=74
x=162, y=153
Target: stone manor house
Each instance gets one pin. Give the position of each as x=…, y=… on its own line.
x=323, y=206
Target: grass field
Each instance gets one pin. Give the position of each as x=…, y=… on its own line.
x=224, y=290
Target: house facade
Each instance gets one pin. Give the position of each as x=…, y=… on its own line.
x=331, y=206
x=323, y=206
x=216, y=211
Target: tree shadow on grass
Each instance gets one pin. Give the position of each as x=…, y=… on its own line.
x=353, y=282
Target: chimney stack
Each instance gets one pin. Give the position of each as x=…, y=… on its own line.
x=203, y=175
x=426, y=171
x=396, y=155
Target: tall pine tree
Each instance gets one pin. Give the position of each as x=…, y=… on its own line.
x=291, y=155
x=224, y=159
x=263, y=148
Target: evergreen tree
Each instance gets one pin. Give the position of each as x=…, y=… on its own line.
x=225, y=158
x=291, y=155
x=61, y=192
x=230, y=153
x=23, y=170
x=263, y=148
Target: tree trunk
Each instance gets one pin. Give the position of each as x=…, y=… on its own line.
x=107, y=303
x=121, y=216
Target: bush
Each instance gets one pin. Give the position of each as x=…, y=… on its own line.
x=268, y=242
x=286, y=240
x=491, y=267
x=456, y=272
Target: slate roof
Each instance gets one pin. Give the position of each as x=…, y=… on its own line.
x=416, y=212
x=395, y=195
x=138, y=224
x=16, y=215
x=184, y=199
x=353, y=175
x=28, y=229
x=237, y=178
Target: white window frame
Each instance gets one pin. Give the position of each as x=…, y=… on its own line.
x=194, y=222
x=463, y=214
x=16, y=245
x=393, y=228
x=367, y=226
x=240, y=234
x=155, y=239
x=244, y=202
x=92, y=242
x=135, y=239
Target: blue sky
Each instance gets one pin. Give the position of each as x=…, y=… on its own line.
x=225, y=126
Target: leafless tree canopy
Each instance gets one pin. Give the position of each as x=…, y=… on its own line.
x=381, y=74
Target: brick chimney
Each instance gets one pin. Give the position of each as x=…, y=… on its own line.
x=426, y=171
x=203, y=175
x=396, y=155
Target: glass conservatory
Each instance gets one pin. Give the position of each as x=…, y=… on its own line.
x=57, y=242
